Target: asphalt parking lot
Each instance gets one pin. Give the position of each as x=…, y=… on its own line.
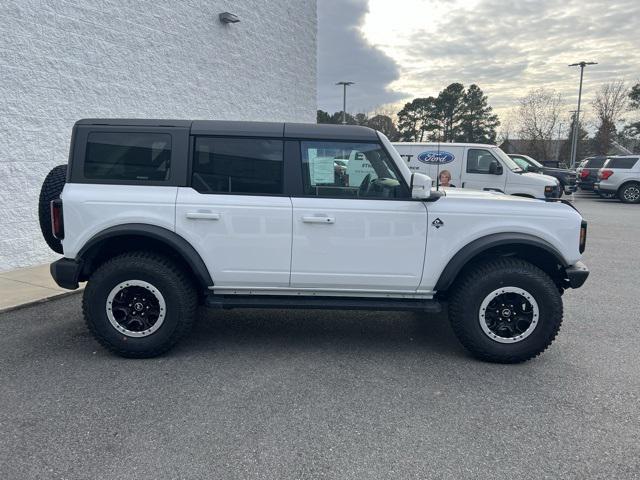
x=307, y=394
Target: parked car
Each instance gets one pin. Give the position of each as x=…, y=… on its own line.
x=620, y=176
x=587, y=172
x=565, y=176
x=478, y=167
x=160, y=216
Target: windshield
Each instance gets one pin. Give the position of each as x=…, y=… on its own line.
x=522, y=163
x=507, y=160
x=535, y=162
x=402, y=166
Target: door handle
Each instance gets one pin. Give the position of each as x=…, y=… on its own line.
x=317, y=219
x=203, y=216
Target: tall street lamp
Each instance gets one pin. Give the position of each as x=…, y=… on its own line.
x=344, y=100
x=574, y=141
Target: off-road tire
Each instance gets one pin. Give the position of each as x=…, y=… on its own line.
x=623, y=193
x=171, y=281
x=478, y=282
x=51, y=190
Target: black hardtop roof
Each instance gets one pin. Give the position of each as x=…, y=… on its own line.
x=134, y=122
x=247, y=129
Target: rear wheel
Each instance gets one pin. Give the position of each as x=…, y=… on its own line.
x=505, y=310
x=139, y=304
x=630, y=193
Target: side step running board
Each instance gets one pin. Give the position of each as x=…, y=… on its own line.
x=321, y=303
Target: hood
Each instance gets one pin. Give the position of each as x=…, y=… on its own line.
x=540, y=179
x=557, y=170
x=453, y=192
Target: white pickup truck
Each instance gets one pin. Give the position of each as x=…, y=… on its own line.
x=159, y=216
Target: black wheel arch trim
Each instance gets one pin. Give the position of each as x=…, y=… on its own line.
x=482, y=244
x=169, y=238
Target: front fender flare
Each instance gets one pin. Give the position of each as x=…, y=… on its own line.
x=469, y=251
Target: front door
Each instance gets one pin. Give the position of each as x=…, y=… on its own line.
x=355, y=229
x=477, y=172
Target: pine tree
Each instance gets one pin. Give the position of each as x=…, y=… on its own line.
x=477, y=122
x=449, y=110
x=418, y=119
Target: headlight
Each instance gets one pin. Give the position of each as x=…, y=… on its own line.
x=549, y=190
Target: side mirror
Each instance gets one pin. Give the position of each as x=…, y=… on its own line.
x=495, y=168
x=420, y=186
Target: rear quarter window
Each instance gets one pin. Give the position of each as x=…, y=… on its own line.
x=621, y=162
x=595, y=163
x=128, y=156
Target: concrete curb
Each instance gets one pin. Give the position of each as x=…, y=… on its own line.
x=38, y=301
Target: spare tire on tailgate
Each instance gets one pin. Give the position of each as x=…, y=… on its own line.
x=51, y=190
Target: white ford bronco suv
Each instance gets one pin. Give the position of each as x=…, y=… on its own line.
x=160, y=216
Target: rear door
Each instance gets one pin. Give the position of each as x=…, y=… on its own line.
x=477, y=173
x=355, y=230
x=235, y=213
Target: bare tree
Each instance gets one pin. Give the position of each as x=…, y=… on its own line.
x=539, y=115
x=507, y=127
x=612, y=100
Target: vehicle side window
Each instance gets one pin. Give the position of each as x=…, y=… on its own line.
x=238, y=165
x=128, y=156
x=479, y=161
x=621, y=162
x=349, y=170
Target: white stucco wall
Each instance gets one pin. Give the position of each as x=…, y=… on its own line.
x=61, y=60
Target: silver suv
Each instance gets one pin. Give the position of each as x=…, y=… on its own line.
x=620, y=176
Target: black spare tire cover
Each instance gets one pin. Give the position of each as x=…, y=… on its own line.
x=51, y=190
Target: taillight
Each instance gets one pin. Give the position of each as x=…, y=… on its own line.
x=604, y=174
x=57, y=221
x=584, y=173
x=583, y=236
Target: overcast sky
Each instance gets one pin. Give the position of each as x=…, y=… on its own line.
x=396, y=50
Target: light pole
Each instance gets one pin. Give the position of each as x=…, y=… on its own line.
x=574, y=140
x=344, y=100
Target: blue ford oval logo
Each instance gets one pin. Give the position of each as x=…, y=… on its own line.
x=433, y=157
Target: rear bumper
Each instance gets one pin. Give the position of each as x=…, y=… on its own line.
x=66, y=272
x=577, y=274
x=570, y=187
x=585, y=185
x=598, y=188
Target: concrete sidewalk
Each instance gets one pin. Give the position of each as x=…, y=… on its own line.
x=28, y=285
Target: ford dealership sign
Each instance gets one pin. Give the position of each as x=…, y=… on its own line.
x=434, y=157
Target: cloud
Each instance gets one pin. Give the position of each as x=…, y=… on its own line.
x=507, y=47
x=344, y=55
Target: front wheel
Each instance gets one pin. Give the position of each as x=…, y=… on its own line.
x=139, y=304
x=505, y=310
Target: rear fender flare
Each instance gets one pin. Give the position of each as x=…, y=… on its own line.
x=171, y=239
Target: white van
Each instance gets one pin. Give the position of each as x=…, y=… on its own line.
x=476, y=166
